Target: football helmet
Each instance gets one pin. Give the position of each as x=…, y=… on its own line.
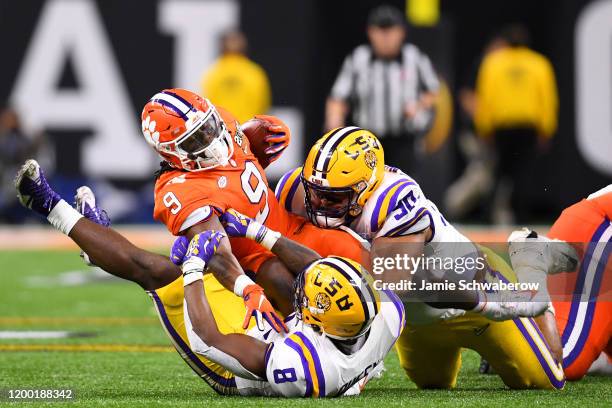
x=186, y=130
x=336, y=296
x=340, y=173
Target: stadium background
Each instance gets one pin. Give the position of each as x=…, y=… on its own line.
x=80, y=70
x=85, y=84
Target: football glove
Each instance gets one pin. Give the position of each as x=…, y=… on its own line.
x=201, y=249
x=256, y=301
x=239, y=225
x=179, y=249
x=278, y=136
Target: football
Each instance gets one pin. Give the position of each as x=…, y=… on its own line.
x=256, y=130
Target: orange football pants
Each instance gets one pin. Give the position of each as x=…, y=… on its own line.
x=584, y=316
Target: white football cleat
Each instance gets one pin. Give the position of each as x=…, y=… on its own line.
x=85, y=203
x=528, y=249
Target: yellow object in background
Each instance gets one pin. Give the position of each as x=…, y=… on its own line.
x=424, y=13
x=239, y=85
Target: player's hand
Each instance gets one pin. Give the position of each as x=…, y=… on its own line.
x=201, y=249
x=204, y=245
x=236, y=224
x=239, y=225
x=256, y=301
x=179, y=249
x=279, y=137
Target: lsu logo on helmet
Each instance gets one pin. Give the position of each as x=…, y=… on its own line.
x=336, y=296
x=340, y=173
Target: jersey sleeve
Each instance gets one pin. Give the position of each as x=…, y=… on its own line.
x=288, y=189
x=183, y=205
x=401, y=210
x=293, y=367
x=394, y=314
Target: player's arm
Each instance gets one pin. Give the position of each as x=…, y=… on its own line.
x=293, y=255
x=412, y=246
x=226, y=268
x=248, y=352
x=116, y=255
x=223, y=265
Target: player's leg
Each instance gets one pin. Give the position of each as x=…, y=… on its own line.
x=585, y=323
x=227, y=308
x=106, y=248
x=169, y=305
x=546, y=322
x=515, y=349
x=429, y=355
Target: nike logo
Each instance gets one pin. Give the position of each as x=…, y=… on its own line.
x=479, y=330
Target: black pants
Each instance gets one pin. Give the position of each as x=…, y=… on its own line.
x=516, y=150
x=400, y=152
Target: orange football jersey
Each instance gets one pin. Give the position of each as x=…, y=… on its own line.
x=184, y=199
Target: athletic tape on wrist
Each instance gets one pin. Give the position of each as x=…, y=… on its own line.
x=63, y=217
x=242, y=282
x=193, y=270
x=270, y=238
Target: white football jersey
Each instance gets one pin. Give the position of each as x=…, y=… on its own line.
x=397, y=207
x=304, y=363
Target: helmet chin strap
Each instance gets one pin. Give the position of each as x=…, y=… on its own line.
x=330, y=222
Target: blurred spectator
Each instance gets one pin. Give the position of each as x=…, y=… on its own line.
x=388, y=85
x=516, y=111
x=466, y=194
x=236, y=83
x=15, y=147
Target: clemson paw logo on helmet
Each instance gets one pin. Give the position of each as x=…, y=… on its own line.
x=148, y=130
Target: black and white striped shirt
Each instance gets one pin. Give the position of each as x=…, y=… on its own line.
x=379, y=90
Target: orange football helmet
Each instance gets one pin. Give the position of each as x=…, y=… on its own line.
x=186, y=130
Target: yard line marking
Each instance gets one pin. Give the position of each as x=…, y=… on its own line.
x=31, y=334
x=131, y=348
x=102, y=321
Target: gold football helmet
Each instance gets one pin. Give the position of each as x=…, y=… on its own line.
x=341, y=172
x=336, y=296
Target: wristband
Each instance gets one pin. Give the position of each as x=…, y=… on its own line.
x=262, y=235
x=193, y=270
x=242, y=282
x=269, y=239
x=63, y=217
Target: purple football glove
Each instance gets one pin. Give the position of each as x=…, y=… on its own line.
x=179, y=249
x=204, y=245
x=235, y=223
x=239, y=225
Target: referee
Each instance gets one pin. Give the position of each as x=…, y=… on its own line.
x=388, y=86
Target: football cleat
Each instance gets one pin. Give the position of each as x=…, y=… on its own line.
x=508, y=304
x=33, y=190
x=85, y=203
x=528, y=249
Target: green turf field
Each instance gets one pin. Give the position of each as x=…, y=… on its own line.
x=120, y=316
